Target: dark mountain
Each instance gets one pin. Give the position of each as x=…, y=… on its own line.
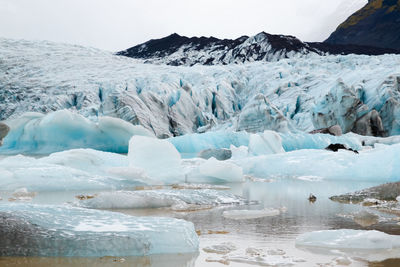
x=180, y=50
x=377, y=24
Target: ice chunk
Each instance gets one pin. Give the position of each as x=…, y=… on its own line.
x=349, y=239
x=250, y=214
x=61, y=130
x=63, y=231
x=216, y=171
x=268, y=142
x=223, y=248
x=159, y=199
x=159, y=158
x=296, y=141
x=200, y=186
x=195, y=143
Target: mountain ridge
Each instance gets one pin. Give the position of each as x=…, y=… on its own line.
x=179, y=50
x=376, y=24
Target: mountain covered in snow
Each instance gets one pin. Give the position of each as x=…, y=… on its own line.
x=179, y=50
x=376, y=24
x=360, y=93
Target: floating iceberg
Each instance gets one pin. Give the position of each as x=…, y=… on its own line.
x=79, y=169
x=250, y=214
x=37, y=133
x=379, y=164
x=268, y=142
x=349, y=239
x=215, y=171
x=62, y=231
x=157, y=157
x=177, y=199
x=195, y=143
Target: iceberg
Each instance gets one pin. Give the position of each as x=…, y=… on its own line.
x=37, y=133
x=157, y=157
x=215, y=171
x=63, y=231
x=349, y=239
x=193, y=144
x=176, y=199
x=379, y=164
x=78, y=169
x=268, y=142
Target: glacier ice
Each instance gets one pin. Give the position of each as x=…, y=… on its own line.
x=63, y=231
x=215, y=171
x=159, y=158
x=268, y=142
x=250, y=214
x=36, y=133
x=176, y=199
x=170, y=101
x=192, y=144
x=297, y=141
x=379, y=164
x=349, y=239
x=79, y=169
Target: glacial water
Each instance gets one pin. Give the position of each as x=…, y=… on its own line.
x=272, y=233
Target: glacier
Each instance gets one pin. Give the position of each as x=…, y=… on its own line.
x=299, y=93
x=63, y=231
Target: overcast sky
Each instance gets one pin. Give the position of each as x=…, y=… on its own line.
x=118, y=24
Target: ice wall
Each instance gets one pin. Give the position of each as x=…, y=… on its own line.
x=36, y=133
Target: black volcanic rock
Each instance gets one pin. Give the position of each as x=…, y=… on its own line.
x=180, y=50
x=376, y=24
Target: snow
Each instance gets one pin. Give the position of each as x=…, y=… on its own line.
x=36, y=133
x=171, y=101
x=175, y=199
x=349, y=239
x=63, y=231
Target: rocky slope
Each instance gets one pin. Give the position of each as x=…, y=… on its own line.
x=377, y=24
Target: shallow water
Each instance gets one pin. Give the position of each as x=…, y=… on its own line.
x=275, y=232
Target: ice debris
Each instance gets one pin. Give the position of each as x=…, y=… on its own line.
x=62, y=231
x=349, y=239
x=251, y=214
x=223, y=248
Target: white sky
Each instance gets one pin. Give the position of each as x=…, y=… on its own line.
x=118, y=24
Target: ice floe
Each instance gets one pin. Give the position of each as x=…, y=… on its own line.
x=175, y=199
x=349, y=239
x=62, y=231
